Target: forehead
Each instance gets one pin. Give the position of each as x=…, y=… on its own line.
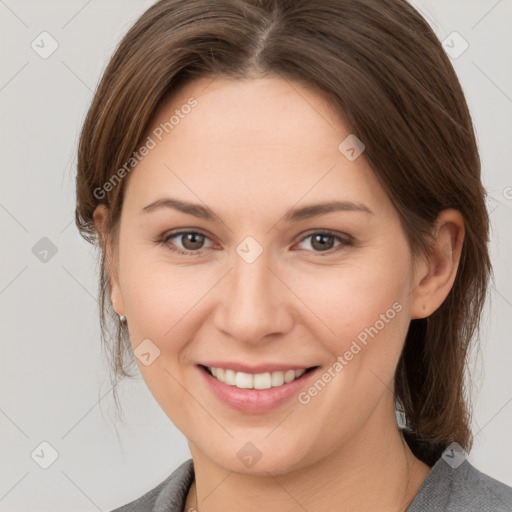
x=264, y=139
x=248, y=113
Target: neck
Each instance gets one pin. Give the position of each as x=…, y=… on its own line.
x=370, y=472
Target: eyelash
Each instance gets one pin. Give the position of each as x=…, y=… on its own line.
x=164, y=240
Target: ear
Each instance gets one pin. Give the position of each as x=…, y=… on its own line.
x=434, y=277
x=100, y=216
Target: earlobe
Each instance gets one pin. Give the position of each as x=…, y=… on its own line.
x=440, y=270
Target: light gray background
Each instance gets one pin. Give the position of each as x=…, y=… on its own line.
x=54, y=380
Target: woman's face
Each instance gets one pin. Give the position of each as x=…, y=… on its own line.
x=260, y=288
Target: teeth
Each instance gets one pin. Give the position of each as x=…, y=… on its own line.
x=244, y=380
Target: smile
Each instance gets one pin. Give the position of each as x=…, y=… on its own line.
x=255, y=393
x=244, y=380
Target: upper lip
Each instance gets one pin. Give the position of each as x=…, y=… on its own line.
x=254, y=369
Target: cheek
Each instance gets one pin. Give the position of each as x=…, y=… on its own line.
x=363, y=300
x=160, y=302
x=367, y=308
x=165, y=303
x=158, y=299
x=366, y=305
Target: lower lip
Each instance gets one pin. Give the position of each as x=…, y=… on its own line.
x=255, y=401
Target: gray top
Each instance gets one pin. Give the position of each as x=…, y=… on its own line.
x=463, y=489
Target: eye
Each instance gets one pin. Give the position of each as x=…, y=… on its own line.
x=192, y=242
x=323, y=241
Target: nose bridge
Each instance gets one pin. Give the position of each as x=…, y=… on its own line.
x=252, y=305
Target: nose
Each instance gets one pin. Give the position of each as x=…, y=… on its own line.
x=254, y=304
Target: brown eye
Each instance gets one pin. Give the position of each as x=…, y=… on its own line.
x=185, y=242
x=324, y=241
x=192, y=241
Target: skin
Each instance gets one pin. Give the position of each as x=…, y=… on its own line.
x=251, y=150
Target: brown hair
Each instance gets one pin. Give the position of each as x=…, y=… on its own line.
x=384, y=72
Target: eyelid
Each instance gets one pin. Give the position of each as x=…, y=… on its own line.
x=324, y=231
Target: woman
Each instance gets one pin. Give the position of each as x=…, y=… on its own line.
x=294, y=235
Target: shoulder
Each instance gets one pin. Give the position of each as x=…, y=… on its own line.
x=461, y=489
x=472, y=488
x=168, y=496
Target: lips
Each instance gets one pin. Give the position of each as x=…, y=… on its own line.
x=256, y=401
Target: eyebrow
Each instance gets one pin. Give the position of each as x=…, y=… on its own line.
x=294, y=214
